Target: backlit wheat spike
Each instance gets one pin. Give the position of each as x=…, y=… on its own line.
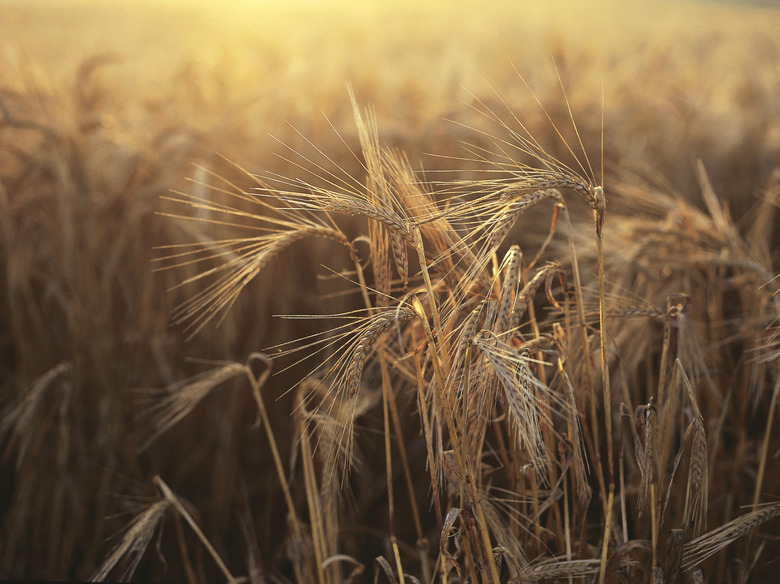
x=512, y=266
x=518, y=385
x=347, y=199
x=178, y=400
x=249, y=256
x=440, y=238
x=379, y=190
x=557, y=570
x=642, y=426
x=470, y=325
x=400, y=256
x=696, y=492
x=467, y=382
x=515, y=205
x=488, y=220
x=704, y=546
x=362, y=346
x=380, y=262
x=553, y=172
x=345, y=376
x=128, y=552
x=16, y=427
x=636, y=312
x=504, y=519
x=526, y=295
x=373, y=210
x=544, y=342
x=536, y=184
x=468, y=331
x=444, y=244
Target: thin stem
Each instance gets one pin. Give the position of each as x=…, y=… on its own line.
x=605, y=364
x=386, y=396
x=313, y=500
x=589, y=375
x=454, y=437
x=257, y=383
x=607, y=531
x=174, y=500
x=765, y=444
x=598, y=215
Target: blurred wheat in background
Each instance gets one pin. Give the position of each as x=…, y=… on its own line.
x=407, y=292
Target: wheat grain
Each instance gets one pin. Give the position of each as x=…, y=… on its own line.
x=696, y=493
x=180, y=399
x=710, y=543
x=249, y=257
x=525, y=296
x=558, y=569
x=509, y=288
x=127, y=554
x=378, y=324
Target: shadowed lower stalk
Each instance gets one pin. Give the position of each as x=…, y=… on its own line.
x=312, y=496
x=174, y=501
x=389, y=400
x=421, y=543
x=449, y=417
x=764, y=452
x=257, y=383
x=428, y=435
x=386, y=397
x=589, y=380
x=185, y=555
x=598, y=214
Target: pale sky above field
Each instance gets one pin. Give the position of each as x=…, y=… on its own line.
x=159, y=35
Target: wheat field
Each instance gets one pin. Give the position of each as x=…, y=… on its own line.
x=325, y=291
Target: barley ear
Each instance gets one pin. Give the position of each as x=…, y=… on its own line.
x=695, y=512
